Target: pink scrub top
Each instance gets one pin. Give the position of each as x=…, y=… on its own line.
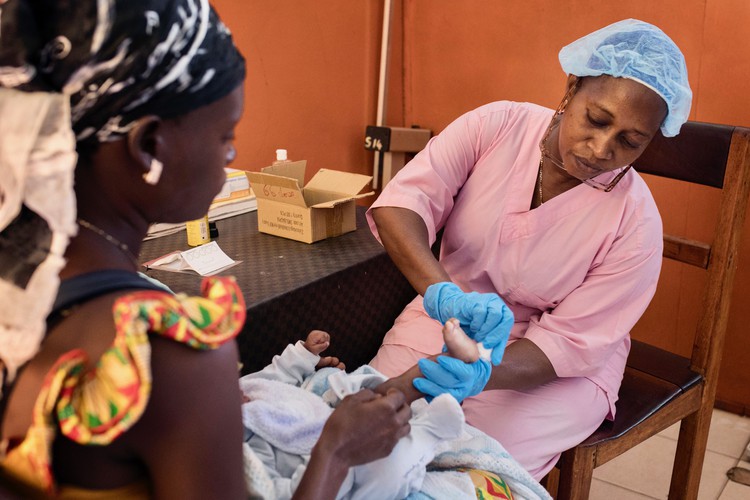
x=577, y=272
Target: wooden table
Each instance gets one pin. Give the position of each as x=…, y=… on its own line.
x=345, y=285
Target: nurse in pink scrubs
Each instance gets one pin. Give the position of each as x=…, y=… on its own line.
x=551, y=242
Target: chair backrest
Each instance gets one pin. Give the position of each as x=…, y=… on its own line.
x=716, y=156
x=658, y=389
x=698, y=154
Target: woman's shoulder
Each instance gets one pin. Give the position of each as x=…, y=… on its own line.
x=638, y=212
x=504, y=116
x=151, y=324
x=152, y=329
x=97, y=403
x=96, y=398
x=635, y=192
x=204, y=322
x=526, y=110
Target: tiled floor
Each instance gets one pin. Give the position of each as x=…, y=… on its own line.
x=643, y=473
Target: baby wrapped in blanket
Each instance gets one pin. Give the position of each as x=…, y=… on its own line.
x=288, y=402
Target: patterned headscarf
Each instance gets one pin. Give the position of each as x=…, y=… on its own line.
x=119, y=59
x=83, y=72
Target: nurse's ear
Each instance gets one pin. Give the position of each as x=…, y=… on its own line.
x=572, y=85
x=572, y=81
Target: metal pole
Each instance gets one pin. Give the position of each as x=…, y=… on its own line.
x=385, y=43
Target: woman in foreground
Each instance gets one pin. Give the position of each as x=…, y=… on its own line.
x=133, y=391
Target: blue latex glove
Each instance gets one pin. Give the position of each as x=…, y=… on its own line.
x=453, y=376
x=483, y=316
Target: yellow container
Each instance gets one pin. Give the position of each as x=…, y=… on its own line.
x=197, y=232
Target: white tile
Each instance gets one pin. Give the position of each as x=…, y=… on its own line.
x=714, y=475
x=735, y=491
x=729, y=433
x=601, y=490
x=647, y=469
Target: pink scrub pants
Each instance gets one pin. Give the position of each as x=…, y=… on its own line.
x=536, y=425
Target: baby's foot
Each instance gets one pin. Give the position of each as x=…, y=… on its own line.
x=331, y=361
x=460, y=346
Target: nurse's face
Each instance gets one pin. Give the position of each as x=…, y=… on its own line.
x=607, y=124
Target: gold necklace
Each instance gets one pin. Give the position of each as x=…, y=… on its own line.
x=110, y=239
x=539, y=179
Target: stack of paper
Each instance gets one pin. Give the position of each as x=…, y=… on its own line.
x=236, y=197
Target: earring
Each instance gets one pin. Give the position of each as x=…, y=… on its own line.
x=563, y=104
x=568, y=96
x=154, y=172
x=231, y=154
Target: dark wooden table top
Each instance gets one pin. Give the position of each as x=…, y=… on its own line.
x=271, y=266
x=347, y=286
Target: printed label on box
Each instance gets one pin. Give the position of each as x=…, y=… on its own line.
x=284, y=218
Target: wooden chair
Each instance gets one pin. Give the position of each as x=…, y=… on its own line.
x=661, y=388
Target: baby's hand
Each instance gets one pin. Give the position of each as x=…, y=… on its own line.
x=331, y=361
x=317, y=341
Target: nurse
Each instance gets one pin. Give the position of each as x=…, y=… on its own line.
x=550, y=240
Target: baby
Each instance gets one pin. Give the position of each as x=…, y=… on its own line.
x=287, y=403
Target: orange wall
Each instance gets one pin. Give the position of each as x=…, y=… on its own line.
x=312, y=88
x=480, y=51
x=311, y=72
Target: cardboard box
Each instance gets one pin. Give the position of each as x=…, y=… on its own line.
x=324, y=208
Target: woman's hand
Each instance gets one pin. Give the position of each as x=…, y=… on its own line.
x=364, y=427
x=350, y=431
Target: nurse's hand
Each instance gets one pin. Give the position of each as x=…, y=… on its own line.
x=483, y=316
x=452, y=376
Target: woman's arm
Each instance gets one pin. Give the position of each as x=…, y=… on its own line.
x=405, y=238
x=364, y=427
x=524, y=366
x=404, y=383
x=190, y=435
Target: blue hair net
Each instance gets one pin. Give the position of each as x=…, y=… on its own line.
x=639, y=51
